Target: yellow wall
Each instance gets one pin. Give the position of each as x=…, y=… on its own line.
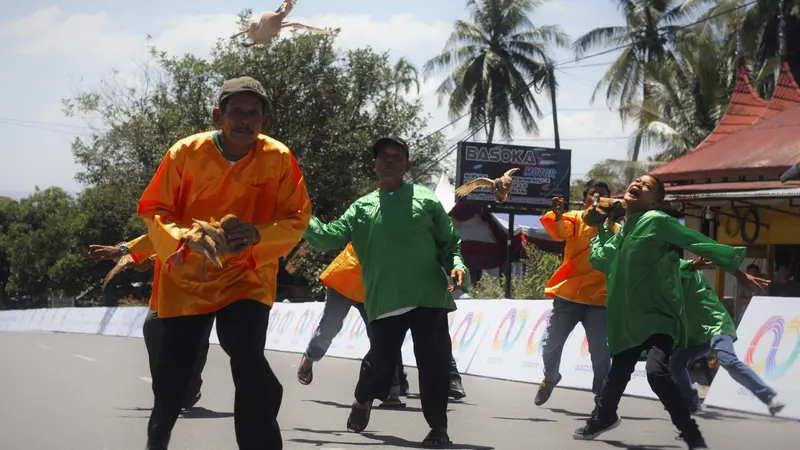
x=783, y=228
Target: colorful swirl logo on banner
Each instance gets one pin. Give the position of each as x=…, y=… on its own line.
x=777, y=327
x=283, y=323
x=346, y=323
x=507, y=342
x=585, y=347
x=462, y=336
x=535, y=345
x=357, y=329
x=305, y=322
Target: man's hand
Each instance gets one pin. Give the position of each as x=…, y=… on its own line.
x=701, y=264
x=749, y=281
x=104, y=252
x=458, y=276
x=557, y=205
x=242, y=236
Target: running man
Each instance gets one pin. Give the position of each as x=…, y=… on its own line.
x=404, y=238
x=234, y=170
x=579, y=294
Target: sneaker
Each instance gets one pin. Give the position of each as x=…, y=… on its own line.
x=544, y=392
x=595, y=427
x=456, y=391
x=697, y=408
x=775, y=405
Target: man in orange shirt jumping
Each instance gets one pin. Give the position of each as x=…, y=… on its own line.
x=579, y=294
x=235, y=170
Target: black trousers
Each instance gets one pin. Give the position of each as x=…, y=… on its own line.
x=454, y=375
x=153, y=331
x=659, y=348
x=242, y=332
x=432, y=348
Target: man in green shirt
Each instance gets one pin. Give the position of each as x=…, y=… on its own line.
x=404, y=238
x=711, y=328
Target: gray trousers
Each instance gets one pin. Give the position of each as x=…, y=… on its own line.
x=153, y=332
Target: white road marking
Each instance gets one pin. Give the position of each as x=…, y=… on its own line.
x=146, y=379
x=43, y=346
x=85, y=358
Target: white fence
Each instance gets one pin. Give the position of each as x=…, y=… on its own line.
x=493, y=338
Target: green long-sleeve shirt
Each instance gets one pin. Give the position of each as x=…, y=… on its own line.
x=706, y=316
x=641, y=263
x=403, y=239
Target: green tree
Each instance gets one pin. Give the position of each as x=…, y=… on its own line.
x=649, y=34
x=539, y=267
x=327, y=106
x=493, y=57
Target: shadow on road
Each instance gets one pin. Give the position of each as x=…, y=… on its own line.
x=374, y=408
x=587, y=415
x=392, y=441
x=198, y=412
x=619, y=444
x=525, y=419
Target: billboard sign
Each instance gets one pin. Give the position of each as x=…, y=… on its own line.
x=543, y=173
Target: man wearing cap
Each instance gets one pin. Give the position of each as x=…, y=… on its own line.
x=235, y=170
x=403, y=238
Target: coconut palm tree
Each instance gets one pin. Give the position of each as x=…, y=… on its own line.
x=649, y=35
x=493, y=57
x=760, y=23
x=687, y=95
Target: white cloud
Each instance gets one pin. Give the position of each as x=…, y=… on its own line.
x=88, y=45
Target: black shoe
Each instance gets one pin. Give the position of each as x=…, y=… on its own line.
x=456, y=391
x=595, y=427
x=696, y=442
x=404, y=388
x=192, y=400
x=437, y=438
x=544, y=392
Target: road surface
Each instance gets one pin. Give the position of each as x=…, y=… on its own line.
x=69, y=391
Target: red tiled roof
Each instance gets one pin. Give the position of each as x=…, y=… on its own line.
x=786, y=95
x=766, y=149
x=744, y=109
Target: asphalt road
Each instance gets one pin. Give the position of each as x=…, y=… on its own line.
x=63, y=392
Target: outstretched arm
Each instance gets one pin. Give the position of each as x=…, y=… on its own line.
x=336, y=234
x=727, y=257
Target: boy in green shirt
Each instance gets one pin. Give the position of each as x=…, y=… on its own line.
x=645, y=307
x=711, y=328
x=404, y=238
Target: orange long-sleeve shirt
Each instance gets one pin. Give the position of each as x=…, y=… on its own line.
x=575, y=280
x=195, y=181
x=142, y=248
x=344, y=275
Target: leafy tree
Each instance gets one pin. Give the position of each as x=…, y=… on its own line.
x=327, y=106
x=493, y=57
x=539, y=267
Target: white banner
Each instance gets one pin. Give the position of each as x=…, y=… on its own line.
x=769, y=343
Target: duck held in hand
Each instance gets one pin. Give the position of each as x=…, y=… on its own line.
x=207, y=239
x=603, y=208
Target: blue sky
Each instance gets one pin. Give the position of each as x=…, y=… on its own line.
x=53, y=50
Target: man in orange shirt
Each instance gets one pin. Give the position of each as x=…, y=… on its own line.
x=579, y=294
x=140, y=249
x=236, y=170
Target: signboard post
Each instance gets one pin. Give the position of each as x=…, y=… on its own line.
x=543, y=173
